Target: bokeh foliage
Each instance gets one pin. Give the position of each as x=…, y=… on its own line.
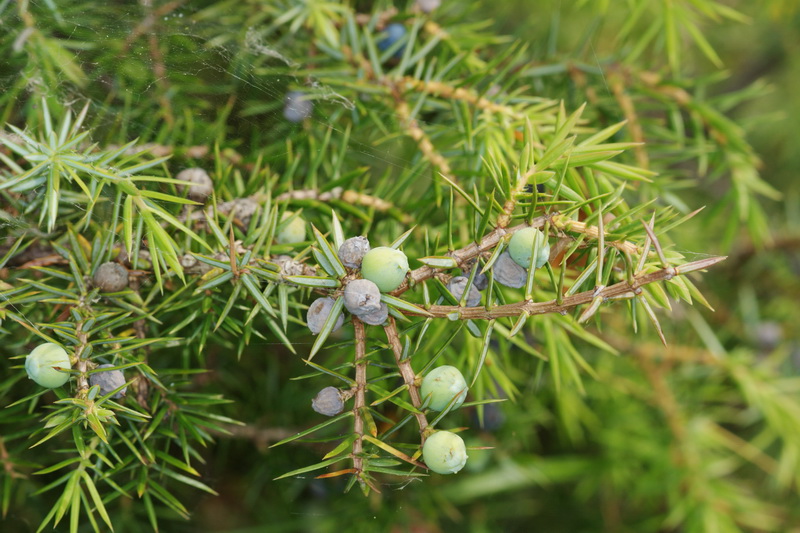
x=604, y=428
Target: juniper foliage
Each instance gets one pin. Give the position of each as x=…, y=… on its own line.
x=441, y=143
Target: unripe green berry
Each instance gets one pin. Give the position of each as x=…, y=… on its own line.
x=443, y=384
x=41, y=362
x=521, y=246
x=385, y=267
x=318, y=313
x=293, y=231
x=444, y=452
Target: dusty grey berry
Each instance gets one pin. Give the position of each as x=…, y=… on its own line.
x=188, y=261
x=318, y=313
x=426, y=6
x=768, y=335
x=145, y=260
x=507, y=272
x=242, y=208
x=288, y=266
x=362, y=297
x=481, y=281
x=198, y=181
x=296, y=107
x=328, y=402
x=352, y=251
x=108, y=381
x=456, y=286
x=376, y=318
x=111, y=277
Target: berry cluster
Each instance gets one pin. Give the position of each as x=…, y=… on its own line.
x=373, y=271
x=382, y=269
x=511, y=267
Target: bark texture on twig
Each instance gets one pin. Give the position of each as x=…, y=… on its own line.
x=409, y=377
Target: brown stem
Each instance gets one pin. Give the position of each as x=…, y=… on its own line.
x=409, y=377
x=83, y=364
x=464, y=255
x=634, y=126
x=424, y=143
x=6, y=461
x=448, y=92
x=337, y=193
x=361, y=385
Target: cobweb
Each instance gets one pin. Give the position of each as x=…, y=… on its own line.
x=156, y=43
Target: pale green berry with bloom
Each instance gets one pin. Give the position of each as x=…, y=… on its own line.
x=443, y=385
x=293, y=231
x=43, y=362
x=444, y=452
x=385, y=267
x=522, y=244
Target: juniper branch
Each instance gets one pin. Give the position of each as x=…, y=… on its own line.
x=621, y=290
x=359, y=402
x=409, y=377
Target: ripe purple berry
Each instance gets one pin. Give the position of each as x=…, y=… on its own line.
x=328, y=402
x=481, y=280
x=456, y=286
x=111, y=277
x=108, y=380
x=394, y=32
x=318, y=313
x=353, y=250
